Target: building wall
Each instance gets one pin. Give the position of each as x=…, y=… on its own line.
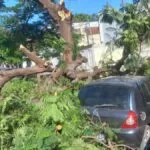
x=90, y=41
x=95, y=35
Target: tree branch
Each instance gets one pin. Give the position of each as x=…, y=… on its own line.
x=84, y=74
x=56, y=74
x=52, y=8
x=109, y=146
x=5, y=76
x=79, y=60
x=8, y=75
x=32, y=56
x=25, y=71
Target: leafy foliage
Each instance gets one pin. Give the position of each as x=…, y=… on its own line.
x=85, y=17
x=8, y=53
x=145, y=68
x=49, y=120
x=134, y=22
x=76, y=47
x=51, y=46
x=28, y=23
x=15, y=113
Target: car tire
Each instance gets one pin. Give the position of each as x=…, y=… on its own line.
x=145, y=144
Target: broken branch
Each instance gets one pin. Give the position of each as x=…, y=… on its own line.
x=32, y=56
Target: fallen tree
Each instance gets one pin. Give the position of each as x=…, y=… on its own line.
x=63, y=18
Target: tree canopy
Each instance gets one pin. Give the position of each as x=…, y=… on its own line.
x=30, y=24
x=85, y=17
x=134, y=21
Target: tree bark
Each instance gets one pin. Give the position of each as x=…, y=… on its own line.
x=66, y=33
x=84, y=74
x=32, y=56
x=51, y=7
x=5, y=76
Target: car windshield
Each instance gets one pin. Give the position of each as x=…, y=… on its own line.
x=104, y=96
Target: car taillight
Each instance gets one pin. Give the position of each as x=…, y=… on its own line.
x=131, y=121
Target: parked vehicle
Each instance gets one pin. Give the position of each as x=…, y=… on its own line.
x=124, y=103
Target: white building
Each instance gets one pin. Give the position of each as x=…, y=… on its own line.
x=90, y=41
x=95, y=36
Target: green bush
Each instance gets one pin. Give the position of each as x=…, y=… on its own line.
x=145, y=68
x=51, y=120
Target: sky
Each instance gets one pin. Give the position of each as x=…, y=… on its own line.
x=84, y=6
x=91, y=6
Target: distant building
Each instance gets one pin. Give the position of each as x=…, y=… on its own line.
x=90, y=40
x=95, y=36
x=88, y=31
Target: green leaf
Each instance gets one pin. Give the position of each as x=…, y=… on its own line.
x=80, y=145
x=52, y=112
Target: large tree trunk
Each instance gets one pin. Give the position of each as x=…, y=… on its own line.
x=66, y=33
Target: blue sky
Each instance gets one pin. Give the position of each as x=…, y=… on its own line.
x=91, y=6
x=85, y=6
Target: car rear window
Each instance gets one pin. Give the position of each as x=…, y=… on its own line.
x=105, y=94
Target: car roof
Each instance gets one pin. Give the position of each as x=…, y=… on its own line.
x=132, y=81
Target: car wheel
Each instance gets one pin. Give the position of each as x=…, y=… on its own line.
x=145, y=145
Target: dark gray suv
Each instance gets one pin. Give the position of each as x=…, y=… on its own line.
x=124, y=103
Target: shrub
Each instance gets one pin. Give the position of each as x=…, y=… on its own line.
x=50, y=120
